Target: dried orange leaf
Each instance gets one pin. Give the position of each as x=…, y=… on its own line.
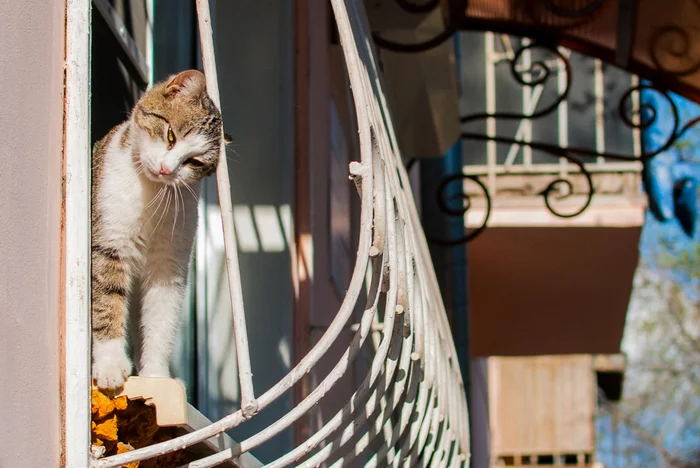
x=101, y=405
x=107, y=430
x=123, y=448
x=120, y=403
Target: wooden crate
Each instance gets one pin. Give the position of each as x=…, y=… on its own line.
x=542, y=406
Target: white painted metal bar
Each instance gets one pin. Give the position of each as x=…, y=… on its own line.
x=528, y=99
x=599, y=93
x=340, y=417
x=481, y=169
x=562, y=112
x=524, y=126
x=150, y=49
x=636, y=118
x=249, y=405
x=490, y=75
x=413, y=384
x=76, y=237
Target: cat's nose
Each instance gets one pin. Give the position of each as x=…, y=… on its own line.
x=164, y=170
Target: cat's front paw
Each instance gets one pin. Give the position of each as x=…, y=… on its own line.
x=111, y=366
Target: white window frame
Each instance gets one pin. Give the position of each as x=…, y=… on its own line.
x=76, y=237
x=76, y=339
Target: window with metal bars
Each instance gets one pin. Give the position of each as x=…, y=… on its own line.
x=407, y=407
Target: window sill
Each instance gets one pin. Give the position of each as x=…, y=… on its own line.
x=153, y=408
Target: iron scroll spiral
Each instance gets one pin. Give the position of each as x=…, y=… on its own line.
x=444, y=199
x=678, y=42
x=418, y=47
x=576, y=12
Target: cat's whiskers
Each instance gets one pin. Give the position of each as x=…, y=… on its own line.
x=154, y=199
x=234, y=152
x=162, y=216
x=194, y=195
x=177, y=209
x=162, y=193
x=184, y=208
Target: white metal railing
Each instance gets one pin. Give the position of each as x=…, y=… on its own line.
x=412, y=399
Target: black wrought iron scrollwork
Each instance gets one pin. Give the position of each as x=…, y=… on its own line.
x=647, y=114
x=444, y=200
x=676, y=42
x=575, y=12
x=422, y=46
x=418, y=8
x=559, y=15
x=417, y=47
x=551, y=188
x=538, y=73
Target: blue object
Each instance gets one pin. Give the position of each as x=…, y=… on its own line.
x=671, y=183
x=685, y=201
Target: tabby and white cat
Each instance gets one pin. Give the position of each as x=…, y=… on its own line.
x=145, y=188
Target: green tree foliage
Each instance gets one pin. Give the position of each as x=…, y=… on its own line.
x=657, y=423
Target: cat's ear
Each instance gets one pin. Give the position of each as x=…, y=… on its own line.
x=191, y=82
x=227, y=138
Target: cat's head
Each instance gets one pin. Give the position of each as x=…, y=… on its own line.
x=177, y=132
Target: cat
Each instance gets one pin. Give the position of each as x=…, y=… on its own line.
x=145, y=187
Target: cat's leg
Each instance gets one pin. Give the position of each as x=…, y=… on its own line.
x=163, y=289
x=110, y=287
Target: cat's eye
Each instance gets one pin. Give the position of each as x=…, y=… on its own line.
x=171, y=137
x=194, y=162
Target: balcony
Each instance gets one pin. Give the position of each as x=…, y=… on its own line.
x=543, y=145
x=380, y=382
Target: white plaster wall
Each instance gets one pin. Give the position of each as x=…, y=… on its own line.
x=31, y=82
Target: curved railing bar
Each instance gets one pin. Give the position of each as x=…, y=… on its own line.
x=416, y=335
x=370, y=383
x=418, y=443
x=392, y=308
x=315, y=396
x=375, y=421
x=397, y=269
x=424, y=391
x=335, y=423
x=336, y=451
x=304, y=366
x=386, y=450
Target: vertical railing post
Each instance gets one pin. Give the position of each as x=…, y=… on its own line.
x=248, y=402
x=75, y=238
